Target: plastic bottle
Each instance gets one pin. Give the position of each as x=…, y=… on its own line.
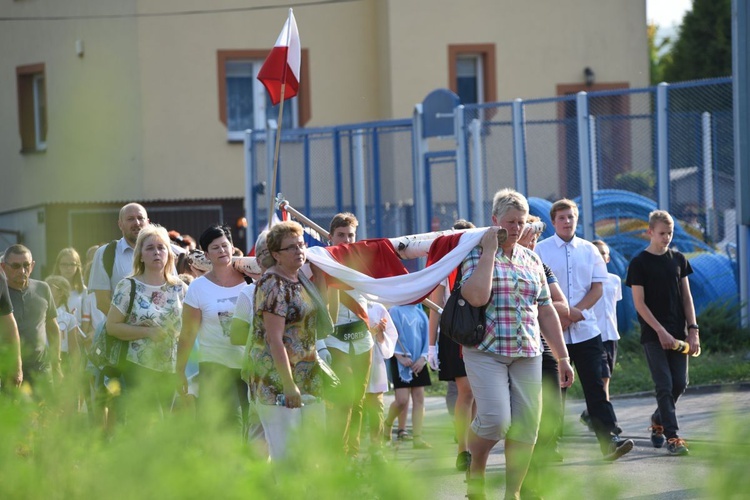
x=684, y=348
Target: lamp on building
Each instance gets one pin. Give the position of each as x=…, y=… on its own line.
x=588, y=76
x=241, y=223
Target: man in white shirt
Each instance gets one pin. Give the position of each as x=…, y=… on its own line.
x=104, y=278
x=581, y=271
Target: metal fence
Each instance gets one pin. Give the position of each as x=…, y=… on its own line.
x=619, y=154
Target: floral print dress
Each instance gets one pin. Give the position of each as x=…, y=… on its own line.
x=153, y=306
x=278, y=295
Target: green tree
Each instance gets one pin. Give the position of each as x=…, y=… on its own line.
x=658, y=58
x=703, y=48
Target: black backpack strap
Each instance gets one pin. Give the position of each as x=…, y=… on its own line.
x=132, y=297
x=457, y=283
x=108, y=259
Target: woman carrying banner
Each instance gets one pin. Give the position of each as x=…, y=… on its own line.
x=505, y=368
x=283, y=380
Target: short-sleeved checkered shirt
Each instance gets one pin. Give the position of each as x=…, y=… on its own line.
x=519, y=287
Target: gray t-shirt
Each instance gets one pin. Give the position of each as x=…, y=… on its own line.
x=32, y=308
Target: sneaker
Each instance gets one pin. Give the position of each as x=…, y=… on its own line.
x=463, y=461
x=421, y=444
x=657, y=435
x=618, y=448
x=586, y=420
x=677, y=446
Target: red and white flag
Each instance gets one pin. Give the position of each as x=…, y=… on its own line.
x=383, y=277
x=282, y=64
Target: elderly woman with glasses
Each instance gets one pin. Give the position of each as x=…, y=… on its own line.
x=284, y=381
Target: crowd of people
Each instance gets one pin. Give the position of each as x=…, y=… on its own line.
x=290, y=348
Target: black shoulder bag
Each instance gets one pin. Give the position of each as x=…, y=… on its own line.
x=461, y=322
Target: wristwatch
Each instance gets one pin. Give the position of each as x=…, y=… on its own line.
x=693, y=327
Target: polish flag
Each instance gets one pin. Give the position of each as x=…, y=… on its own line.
x=373, y=267
x=282, y=64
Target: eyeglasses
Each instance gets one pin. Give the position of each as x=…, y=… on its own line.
x=18, y=265
x=301, y=247
x=68, y=264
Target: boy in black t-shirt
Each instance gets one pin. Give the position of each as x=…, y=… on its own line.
x=658, y=277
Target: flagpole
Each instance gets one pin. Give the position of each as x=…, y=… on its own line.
x=272, y=194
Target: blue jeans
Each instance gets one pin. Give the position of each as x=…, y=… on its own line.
x=669, y=371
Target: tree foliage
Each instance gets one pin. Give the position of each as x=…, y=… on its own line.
x=657, y=56
x=703, y=48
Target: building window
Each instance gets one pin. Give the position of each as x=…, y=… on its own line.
x=243, y=101
x=469, y=84
x=471, y=72
x=32, y=107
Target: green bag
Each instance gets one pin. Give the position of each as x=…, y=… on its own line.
x=108, y=353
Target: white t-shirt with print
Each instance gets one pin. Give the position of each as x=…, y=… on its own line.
x=153, y=305
x=216, y=304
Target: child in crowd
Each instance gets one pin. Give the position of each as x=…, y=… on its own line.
x=384, y=334
x=658, y=277
x=605, y=310
x=409, y=368
x=69, y=327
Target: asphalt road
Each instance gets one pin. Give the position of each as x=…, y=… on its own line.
x=717, y=453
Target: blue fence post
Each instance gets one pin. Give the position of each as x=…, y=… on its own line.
x=378, y=202
x=308, y=173
x=519, y=147
x=741, y=102
x=477, y=173
x=462, y=165
x=338, y=170
x=418, y=165
x=358, y=179
x=662, y=145
x=584, y=160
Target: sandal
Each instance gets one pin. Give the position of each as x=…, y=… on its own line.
x=403, y=435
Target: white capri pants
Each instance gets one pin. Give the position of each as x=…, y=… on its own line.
x=280, y=423
x=508, y=392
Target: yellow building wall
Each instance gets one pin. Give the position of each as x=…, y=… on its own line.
x=538, y=44
x=93, y=106
x=137, y=117
x=182, y=133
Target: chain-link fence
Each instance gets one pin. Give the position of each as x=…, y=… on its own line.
x=620, y=154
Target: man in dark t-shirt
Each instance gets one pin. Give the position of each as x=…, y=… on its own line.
x=10, y=345
x=658, y=277
x=35, y=314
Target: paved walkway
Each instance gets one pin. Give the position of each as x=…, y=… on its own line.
x=647, y=473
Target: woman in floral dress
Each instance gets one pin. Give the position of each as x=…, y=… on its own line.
x=284, y=381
